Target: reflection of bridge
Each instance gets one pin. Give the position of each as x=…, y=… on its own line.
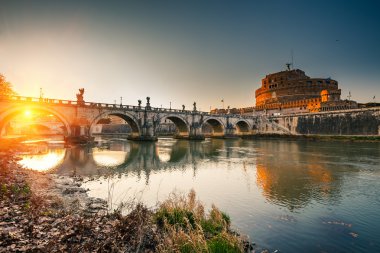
x=125, y=157
x=292, y=178
x=80, y=118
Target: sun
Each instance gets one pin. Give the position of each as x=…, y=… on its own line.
x=28, y=113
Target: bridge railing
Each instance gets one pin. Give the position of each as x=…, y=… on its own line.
x=65, y=102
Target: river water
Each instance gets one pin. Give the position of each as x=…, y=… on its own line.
x=291, y=196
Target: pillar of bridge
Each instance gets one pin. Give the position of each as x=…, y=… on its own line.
x=80, y=134
x=230, y=131
x=147, y=132
x=196, y=127
x=196, y=133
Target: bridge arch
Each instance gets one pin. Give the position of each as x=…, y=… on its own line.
x=128, y=117
x=242, y=126
x=179, y=121
x=217, y=125
x=13, y=111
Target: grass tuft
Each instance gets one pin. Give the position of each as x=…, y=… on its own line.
x=187, y=228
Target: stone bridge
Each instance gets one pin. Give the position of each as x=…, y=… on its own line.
x=81, y=118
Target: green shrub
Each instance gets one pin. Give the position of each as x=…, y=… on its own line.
x=175, y=217
x=211, y=228
x=188, y=229
x=223, y=244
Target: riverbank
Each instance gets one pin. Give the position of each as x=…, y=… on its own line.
x=348, y=138
x=44, y=213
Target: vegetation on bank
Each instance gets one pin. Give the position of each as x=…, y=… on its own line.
x=33, y=220
x=188, y=228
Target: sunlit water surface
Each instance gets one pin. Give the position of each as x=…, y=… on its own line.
x=293, y=196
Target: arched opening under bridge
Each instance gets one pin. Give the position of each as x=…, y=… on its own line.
x=172, y=125
x=115, y=123
x=213, y=127
x=242, y=127
x=33, y=121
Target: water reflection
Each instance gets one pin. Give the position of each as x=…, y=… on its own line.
x=298, y=189
x=42, y=157
x=290, y=174
x=293, y=175
x=124, y=156
x=114, y=154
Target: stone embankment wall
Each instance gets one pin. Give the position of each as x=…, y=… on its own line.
x=347, y=122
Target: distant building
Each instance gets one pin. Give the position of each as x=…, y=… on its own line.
x=242, y=111
x=292, y=91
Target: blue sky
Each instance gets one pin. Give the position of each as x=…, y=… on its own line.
x=185, y=51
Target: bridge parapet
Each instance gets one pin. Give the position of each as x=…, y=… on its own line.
x=62, y=102
x=80, y=117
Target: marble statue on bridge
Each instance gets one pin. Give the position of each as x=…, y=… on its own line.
x=80, y=99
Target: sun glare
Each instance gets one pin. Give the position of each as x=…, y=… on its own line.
x=28, y=113
x=43, y=162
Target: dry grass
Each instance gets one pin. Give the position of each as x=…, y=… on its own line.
x=187, y=228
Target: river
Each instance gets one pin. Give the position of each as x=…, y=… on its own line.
x=291, y=196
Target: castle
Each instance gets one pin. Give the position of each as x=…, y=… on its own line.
x=292, y=91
